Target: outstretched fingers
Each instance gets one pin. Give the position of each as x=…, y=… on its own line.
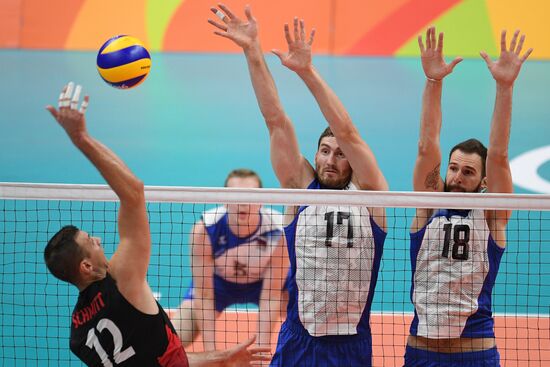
x=76, y=97
x=248, y=13
x=65, y=96
x=217, y=12
x=514, y=41
x=279, y=54
x=486, y=57
x=311, y=37
x=428, y=38
x=227, y=11
x=69, y=99
x=503, y=41
x=84, y=105
x=217, y=25
x=440, y=43
x=515, y=46
x=260, y=354
x=287, y=34
x=526, y=55
x=421, y=44
x=520, y=44
x=455, y=62
x=52, y=111
x=62, y=101
x=296, y=32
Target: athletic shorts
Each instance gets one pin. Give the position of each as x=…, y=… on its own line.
x=228, y=293
x=295, y=347
x=422, y=358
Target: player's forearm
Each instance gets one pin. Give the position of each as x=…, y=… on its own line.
x=332, y=108
x=430, y=119
x=268, y=315
x=501, y=122
x=119, y=177
x=206, y=359
x=263, y=84
x=206, y=321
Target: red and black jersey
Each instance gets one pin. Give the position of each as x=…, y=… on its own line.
x=106, y=330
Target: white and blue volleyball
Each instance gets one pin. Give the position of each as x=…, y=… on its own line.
x=123, y=62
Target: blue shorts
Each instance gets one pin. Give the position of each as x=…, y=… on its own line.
x=422, y=358
x=296, y=347
x=228, y=293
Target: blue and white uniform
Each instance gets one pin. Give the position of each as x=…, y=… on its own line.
x=454, y=262
x=240, y=262
x=335, y=254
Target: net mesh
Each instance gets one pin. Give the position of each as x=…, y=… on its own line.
x=36, y=308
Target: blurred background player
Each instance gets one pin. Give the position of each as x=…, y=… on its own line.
x=238, y=257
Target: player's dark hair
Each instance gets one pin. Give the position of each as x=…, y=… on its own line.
x=243, y=173
x=326, y=133
x=472, y=146
x=63, y=254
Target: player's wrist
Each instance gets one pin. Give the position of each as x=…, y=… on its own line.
x=434, y=80
x=504, y=85
x=305, y=71
x=79, y=138
x=252, y=46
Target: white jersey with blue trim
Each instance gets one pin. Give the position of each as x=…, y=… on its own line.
x=242, y=259
x=454, y=262
x=335, y=254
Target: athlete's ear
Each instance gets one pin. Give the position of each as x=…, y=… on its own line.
x=483, y=185
x=86, y=266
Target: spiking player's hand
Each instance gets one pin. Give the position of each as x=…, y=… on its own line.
x=433, y=63
x=506, y=69
x=244, y=34
x=298, y=57
x=241, y=355
x=69, y=116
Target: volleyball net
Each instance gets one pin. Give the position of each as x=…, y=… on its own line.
x=35, y=308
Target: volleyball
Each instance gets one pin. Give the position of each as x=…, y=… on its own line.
x=123, y=62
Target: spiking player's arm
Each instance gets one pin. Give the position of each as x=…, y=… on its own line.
x=131, y=259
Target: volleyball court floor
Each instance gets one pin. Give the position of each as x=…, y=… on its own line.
x=196, y=118
x=521, y=340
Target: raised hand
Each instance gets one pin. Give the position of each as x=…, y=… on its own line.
x=299, y=50
x=433, y=63
x=69, y=116
x=244, y=34
x=506, y=69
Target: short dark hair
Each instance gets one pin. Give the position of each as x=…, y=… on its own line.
x=326, y=133
x=243, y=173
x=63, y=254
x=472, y=146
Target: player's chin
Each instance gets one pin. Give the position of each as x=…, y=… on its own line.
x=456, y=189
x=333, y=183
